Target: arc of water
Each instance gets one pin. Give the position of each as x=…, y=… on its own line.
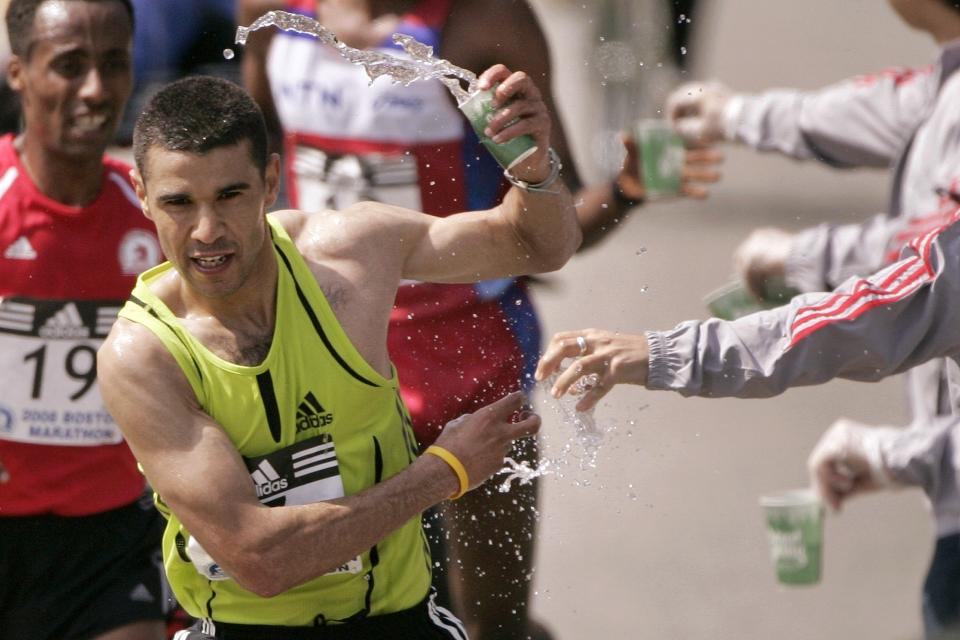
x=421, y=65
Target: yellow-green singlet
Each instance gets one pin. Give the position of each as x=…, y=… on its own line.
x=318, y=407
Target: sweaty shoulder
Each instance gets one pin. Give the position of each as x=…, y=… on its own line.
x=133, y=354
x=365, y=230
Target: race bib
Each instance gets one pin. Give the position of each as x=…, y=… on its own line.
x=48, y=372
x=329, y=181
x=304, y=473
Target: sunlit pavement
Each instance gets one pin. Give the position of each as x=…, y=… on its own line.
x=667, y=541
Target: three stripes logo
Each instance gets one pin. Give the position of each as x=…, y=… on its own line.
x=312, y=415
x=66, y=323
x=57, y=319
x=303, y=473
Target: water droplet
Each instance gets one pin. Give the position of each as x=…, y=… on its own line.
x=228, y=54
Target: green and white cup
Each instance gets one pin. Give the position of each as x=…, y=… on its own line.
x=795, y=528
x=661, y=157
x=732, y=300
x=479, y=109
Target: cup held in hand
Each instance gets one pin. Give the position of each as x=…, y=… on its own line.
x=661, y=157
x=479, y=109
x=795, y=528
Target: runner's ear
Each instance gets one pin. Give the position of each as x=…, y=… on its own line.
x=272, y=179
x=141, y=190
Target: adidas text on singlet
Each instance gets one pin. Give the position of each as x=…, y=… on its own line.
x=313, y=422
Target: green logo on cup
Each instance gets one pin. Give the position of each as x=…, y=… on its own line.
x=795, y=530
x=661, y=158
x=479, y=109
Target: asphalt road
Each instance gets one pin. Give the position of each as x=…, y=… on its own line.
x=665, y=539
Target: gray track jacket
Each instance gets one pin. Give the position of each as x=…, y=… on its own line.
x=868, y=328
x=908, y=120
x=905, y=119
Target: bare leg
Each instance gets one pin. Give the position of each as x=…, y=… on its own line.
x=490, y=538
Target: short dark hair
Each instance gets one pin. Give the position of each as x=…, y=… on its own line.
x=198, y=114
x=20, y=16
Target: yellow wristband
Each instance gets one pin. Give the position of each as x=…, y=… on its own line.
x=455, y=464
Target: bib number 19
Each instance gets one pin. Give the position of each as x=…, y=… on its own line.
x=80, y=363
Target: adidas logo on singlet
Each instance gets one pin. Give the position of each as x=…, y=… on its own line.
x=312, y=415
x=65, y=323
x=267, y=480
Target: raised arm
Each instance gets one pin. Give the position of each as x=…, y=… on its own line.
x=533, y=230
x=196, y=470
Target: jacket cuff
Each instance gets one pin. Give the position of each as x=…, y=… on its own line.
x=731, y=117
x=664, y=363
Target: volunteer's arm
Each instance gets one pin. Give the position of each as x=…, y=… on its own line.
x=867, y=329
x=192, y=464
x=852, y=458
x=819, y=258
x=864, y=121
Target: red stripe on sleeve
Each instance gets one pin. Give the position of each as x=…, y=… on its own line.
x=908, y=276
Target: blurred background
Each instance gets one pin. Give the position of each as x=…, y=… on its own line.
x=665, y=539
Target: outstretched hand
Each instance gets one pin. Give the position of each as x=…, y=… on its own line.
x=696, y=110
x=482, y=439
x=603, y=359
x=700, y=168
x=762, y=258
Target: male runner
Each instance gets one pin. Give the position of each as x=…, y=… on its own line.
x=456, y=347
x=251, y=375
x=79, y=547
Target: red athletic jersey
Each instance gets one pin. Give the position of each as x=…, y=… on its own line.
x=64, y=273
x=457, y=347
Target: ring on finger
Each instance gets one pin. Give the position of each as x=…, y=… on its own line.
x=582, y=345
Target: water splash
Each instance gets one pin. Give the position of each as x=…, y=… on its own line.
x=587, y=437
x=580, y=449
x=421, y=64
x=522, y=472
